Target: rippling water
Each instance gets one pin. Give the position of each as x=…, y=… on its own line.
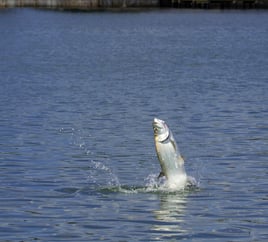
x=77, y=98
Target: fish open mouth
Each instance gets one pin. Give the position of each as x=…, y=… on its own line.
x=157, y=126
x=156, y=121
x=161, y=131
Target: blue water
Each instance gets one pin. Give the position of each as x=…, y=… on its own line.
x=78, y=95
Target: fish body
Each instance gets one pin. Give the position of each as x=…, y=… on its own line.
x=170, y=159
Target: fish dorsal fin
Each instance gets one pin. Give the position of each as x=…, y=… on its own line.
x=180, y=160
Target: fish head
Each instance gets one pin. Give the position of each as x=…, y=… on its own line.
x=161, y=130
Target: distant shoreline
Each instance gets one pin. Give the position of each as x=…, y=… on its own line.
x=134, y=5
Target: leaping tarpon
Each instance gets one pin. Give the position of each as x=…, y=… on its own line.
x=171, y=161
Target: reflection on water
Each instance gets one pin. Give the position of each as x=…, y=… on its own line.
x=170, y=215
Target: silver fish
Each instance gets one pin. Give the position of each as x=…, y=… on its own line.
x=171, y=161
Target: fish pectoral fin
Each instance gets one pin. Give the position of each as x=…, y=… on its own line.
x=161, y=174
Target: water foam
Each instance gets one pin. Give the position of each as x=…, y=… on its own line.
x=152, y=185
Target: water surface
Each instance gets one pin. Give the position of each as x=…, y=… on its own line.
x=78, y=94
